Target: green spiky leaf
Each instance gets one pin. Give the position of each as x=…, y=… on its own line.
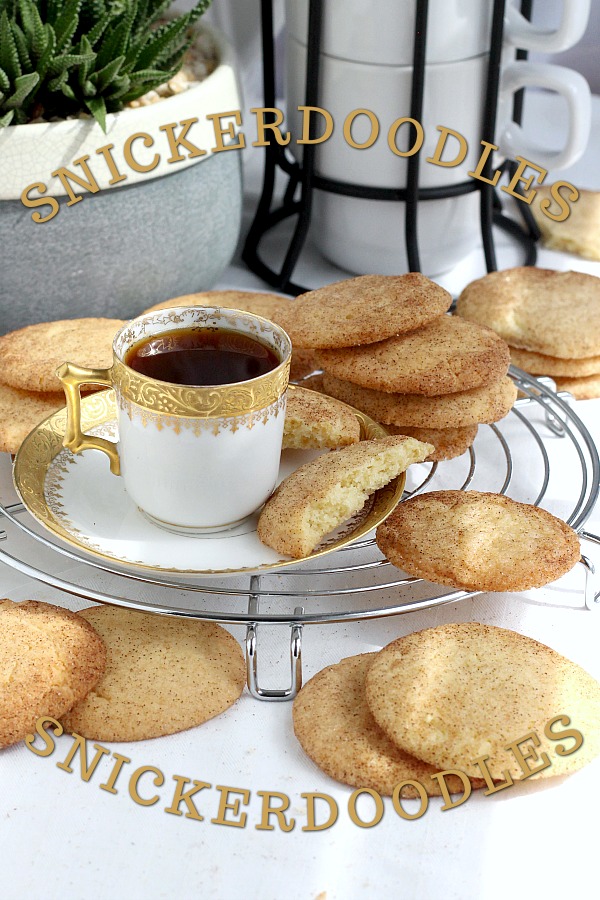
x=22, y=47
x=9, y=55
x=97, y=107
x=66, y=24
x=24, y=85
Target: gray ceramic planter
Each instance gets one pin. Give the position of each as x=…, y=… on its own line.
x=118, y=252
x=154, y=236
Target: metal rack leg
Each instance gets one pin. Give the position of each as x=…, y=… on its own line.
x=592, y=597
x=252, y=653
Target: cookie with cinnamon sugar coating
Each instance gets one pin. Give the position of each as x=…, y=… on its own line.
x=363, y=310
x=541, y=310
x=463, y=691
x=446, y=356
x=336, y=728
x=163, y=675
x=30, y=356
x=315, y=421
x=328, y=490
x=478, y=541
x=50, y=658
x=488, y=403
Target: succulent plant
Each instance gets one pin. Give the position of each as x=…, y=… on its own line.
x=61, y=57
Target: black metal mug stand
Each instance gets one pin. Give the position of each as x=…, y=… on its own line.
x=304, y=177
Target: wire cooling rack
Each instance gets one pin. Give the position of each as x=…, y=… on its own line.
x=541, y=445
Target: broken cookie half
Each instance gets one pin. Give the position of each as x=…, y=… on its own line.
x=327, y=491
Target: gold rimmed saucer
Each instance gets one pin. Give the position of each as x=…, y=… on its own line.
x=82, y=503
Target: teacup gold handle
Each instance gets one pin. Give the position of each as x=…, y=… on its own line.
x=73, y=377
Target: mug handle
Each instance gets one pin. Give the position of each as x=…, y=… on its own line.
x=519, y=32
x=570, y=85
x=73, y=377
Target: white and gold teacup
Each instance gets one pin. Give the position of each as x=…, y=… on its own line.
x=194, y=459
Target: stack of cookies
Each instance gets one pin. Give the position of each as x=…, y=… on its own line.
x=429, y=702
x=29, y=387
x=387, y=348
x=551, y=320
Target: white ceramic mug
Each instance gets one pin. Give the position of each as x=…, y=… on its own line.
x=359, y=235
x=194, y=459
x=382, y=31
x=454, y=97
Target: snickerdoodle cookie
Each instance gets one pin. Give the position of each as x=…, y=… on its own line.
x=313, y=420
x=549, y=312
x=30, y=357
x=325, y=492
x=162, y=675
x=581, y=388
x=478, y=541
x=484, y=404
x=443, y=357
x=539, y=364
x=448, y=442
x=337, y=730
x=459, y=692
x=49, y=659
x=580, y=232
x=363, y=310
x=21, y=411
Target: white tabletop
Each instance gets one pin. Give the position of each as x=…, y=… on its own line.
x=63, y=837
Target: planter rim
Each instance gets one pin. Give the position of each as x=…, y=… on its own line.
x=30, y=153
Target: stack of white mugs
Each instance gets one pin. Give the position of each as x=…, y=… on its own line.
x=365, y=83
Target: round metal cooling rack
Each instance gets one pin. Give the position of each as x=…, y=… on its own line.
x=525, y=456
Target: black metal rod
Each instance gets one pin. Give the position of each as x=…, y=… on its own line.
x=377, y=193
x=526, y=11
x=525, y=210
x=250, y=250
x=514, y=229
x=488, y=130
x=416, y=112
x=313, y=60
